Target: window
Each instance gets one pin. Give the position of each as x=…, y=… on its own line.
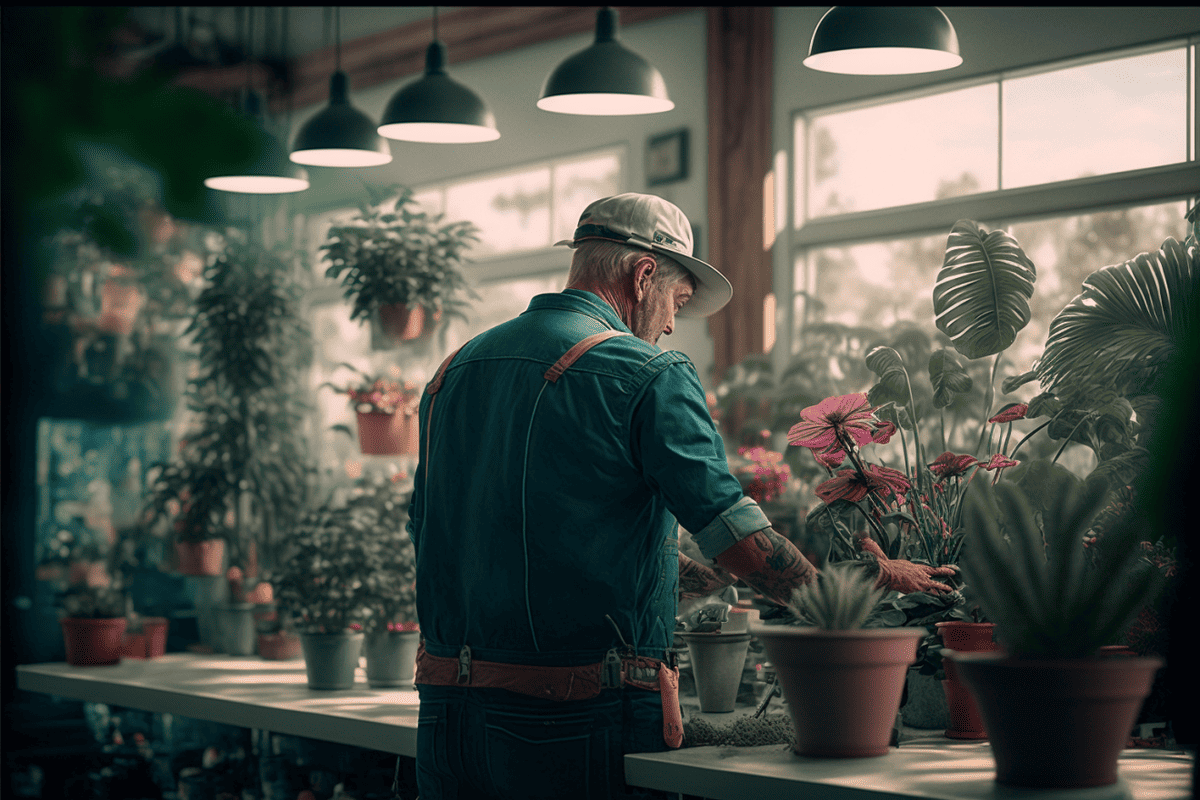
x=1086, y=163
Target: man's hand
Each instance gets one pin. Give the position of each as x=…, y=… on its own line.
x=697, y=580
x=905, y=576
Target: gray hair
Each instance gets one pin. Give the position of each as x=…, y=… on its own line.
x=607, y=262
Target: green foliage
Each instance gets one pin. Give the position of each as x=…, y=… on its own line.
x=92, y=602
x=841, y=598
x=1025, y=564
x=252, y=341
x=981, y=296
x=400, y=256
x=348, y=564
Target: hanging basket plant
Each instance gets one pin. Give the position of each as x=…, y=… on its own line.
x=386, y=411
x=400, y=265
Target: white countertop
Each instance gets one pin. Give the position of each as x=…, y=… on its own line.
x=924, y=766
x=249, y=692
x=273, y=695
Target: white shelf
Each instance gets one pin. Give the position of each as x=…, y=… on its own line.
x=247, y=692
x=274, y=696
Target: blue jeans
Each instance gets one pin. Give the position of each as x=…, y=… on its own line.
x=492, y=744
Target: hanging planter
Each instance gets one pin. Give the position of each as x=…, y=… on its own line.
x=964, y=637
x=381, y=434
x=386, y=410
x=93, y=642
x=402, y=322
x=203, y=558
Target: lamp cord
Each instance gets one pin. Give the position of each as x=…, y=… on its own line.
x=337, y=37
x=435, y=23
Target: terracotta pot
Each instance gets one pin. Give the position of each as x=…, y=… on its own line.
x=93, y=642
x=1057, y=723
x=403, y=323
x=381, y=434
x=204, y=558
x=842, y=688
x=119, y=307
x=964, y=637
x=150, y=643
x=282, y=646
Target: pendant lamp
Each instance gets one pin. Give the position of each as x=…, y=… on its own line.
x=269, y=170
x=437, y=108
x=340, y=135
x=605, y=79
x=883, y=40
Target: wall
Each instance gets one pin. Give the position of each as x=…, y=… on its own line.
x=510, y=84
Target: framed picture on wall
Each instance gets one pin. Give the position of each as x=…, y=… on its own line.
x=667, y=157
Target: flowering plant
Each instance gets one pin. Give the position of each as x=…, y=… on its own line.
x=915, y=513
x=762, y=473
x=378, y=395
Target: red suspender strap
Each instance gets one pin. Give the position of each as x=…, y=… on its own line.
x=572, y=355
x=434, y=386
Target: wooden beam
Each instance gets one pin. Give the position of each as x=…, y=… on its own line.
x=468, y=33
x=740, y=68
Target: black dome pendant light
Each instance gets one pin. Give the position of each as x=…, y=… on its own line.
x=269, y=171
x=437, y=108
x=605, y=79
x=340, y=135
x=883, y=40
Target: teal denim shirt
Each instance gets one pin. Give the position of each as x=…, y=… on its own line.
x=539, y=509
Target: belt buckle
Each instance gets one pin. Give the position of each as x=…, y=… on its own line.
x=610, y=670
x=464, y=665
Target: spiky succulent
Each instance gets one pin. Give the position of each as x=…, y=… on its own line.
x=841, y=598
x=1032, y=578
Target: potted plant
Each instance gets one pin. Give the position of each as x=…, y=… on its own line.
x=389, y=566
x=325, y=587
x=144, y=637
x=841, y=680
x=386, y=411
x=243, y=471
x=1027, y=566
x=93, y=624
x=400, y=264
x=275, y=639
x=238, y=631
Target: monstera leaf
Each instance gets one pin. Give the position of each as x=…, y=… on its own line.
x=981, y=297
x=1125, y=324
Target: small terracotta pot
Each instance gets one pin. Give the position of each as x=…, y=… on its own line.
x=964, y=637
x=282, y=646
x=93, y=642
x=842, y=687
x=381, y=434
x=150, y=643
x=201, y=558
x=1057, y=724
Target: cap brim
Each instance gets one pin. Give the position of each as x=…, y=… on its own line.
x=713, y=290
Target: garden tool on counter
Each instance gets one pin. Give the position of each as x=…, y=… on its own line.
x=709, y=613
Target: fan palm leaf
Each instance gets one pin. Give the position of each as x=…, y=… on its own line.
x=981, y=296
x=1125, y=324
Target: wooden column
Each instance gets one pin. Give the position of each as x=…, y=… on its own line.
x=740, y=68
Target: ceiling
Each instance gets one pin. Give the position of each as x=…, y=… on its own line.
x=212, y=29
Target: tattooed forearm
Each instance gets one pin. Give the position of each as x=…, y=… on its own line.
x=769, y=563
x=697, y=580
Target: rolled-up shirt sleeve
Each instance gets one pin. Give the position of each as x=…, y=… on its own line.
x=681, y=455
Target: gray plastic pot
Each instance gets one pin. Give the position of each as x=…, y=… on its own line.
x=717, y=663
x=391, y=658
x=330, y=659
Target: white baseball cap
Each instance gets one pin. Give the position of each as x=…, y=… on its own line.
x=651, y=223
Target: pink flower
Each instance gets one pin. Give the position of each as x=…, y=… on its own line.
x=949, y=465
x=833, y=457
x=1012, y=413
x=883, y=432
x=833, y=422
x=849, y=485
x=1000, y=461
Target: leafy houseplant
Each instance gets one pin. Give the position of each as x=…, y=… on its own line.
x=1026, y=564
x=393, y=261
x=842, y=682
x=243, y=471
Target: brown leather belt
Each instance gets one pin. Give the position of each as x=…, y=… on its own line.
x=561, y=683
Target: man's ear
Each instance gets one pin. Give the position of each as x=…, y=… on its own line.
x=643, y=273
